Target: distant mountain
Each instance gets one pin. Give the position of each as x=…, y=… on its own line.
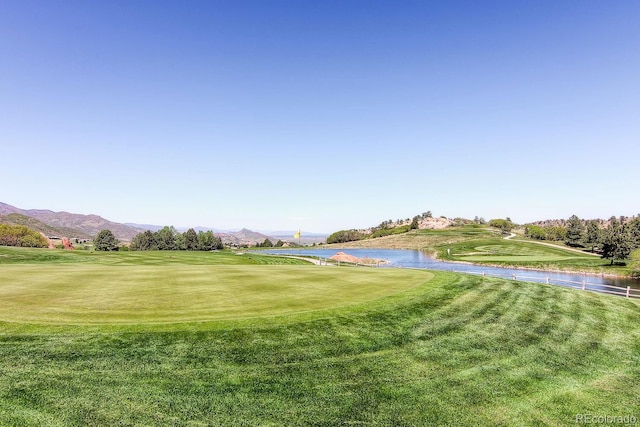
x=290, y=233
x=88, y=224
x=306, y=238
x=246, y=236
x=145, y=227
x=47, y=230
x=154, y=228
x=65, y=224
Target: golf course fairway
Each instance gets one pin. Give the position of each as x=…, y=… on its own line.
x=138, y=294
x=221, y=339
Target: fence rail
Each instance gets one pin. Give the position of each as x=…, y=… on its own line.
x=584, y=285
x=627, y=292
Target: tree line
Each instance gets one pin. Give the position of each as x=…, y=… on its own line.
x=615, y=239
x=169, y=239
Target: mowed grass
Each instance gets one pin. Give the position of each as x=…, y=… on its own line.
x=12, y=255
x=125, y=294
x=513, y=251
x=517, y=253
x=453, y=350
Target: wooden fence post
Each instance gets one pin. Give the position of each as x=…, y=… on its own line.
x=547, y=280
x=584, y=285
x=628, y=291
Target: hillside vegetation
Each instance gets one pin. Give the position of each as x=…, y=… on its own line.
x=37, y=225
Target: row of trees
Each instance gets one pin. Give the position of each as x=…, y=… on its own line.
x=344, y=236
x=614, y=240
x=554, y=233
x=20, y=235
x=168, y=239
x=269, y=244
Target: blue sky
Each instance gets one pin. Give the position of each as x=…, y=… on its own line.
x=320, y=115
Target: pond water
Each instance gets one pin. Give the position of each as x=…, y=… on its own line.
x=416, y=259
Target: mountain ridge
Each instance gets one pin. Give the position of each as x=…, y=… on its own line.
x=90, y=225
x=67, y=224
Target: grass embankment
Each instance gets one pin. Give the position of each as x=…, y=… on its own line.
x=454, y=350
x=485, y=246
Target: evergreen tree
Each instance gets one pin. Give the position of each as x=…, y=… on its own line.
x=634, y=231
x=207, y=241
x=144, y=241
x=165, y=238
x=105, y=241
x=592, y=236
x=575, y=232
x=179, y=242
x=616, y=242
x=191, y=240
x=414, y=223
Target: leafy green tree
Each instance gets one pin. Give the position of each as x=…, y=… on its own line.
x=179, y=242
x=165, y=238
x=21, y=235
x=616, y=242
x=144, y=241
x=592, y=236
x=575, y=232
x=535, y=232
x=207, y=241
x=105, y=241
x=266, y=244
x=191, y=240
x=279, y=243
x=343, y=236
x=504, y=225
x=33, y=240
x=555, y=233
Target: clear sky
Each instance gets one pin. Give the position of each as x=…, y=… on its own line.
x=320, y=115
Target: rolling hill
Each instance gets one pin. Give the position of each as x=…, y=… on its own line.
x=70, y=224
x=37, y=225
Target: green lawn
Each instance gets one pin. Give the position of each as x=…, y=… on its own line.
x=126, y=294
x=12, y=255
x=501, y=252
x=442, y=349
